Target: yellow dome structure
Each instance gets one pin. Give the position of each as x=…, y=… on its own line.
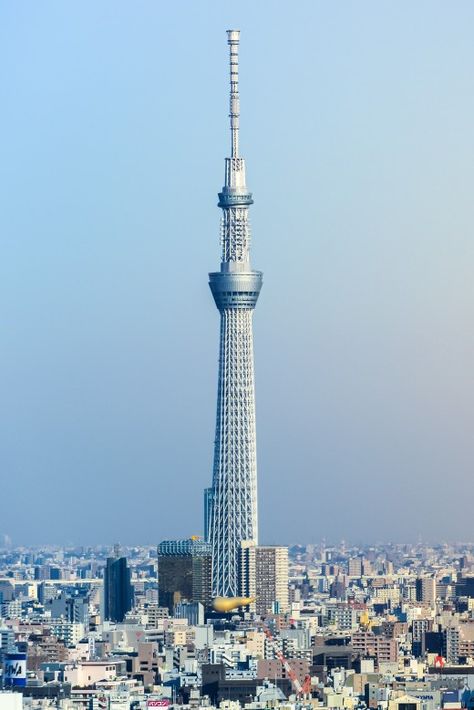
x=225, y=604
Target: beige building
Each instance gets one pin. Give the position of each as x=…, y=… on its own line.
x=426, y=590
x=90, y=672
x=155, y=615
x=366, y=643
x=355, y=567
x=405, y=702
x=256, y=643
x=264, y=575
x=273, y=668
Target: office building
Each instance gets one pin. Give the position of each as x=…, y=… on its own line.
x=118, y=594
x=355, y=567
x=383, y=649
x=70, y=608
x=184, y=572
x=426, y=590
x=263, y=573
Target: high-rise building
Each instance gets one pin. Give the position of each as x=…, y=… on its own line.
x=426, y=590
x=263, y=573
x=46, y=592
x=235, y=289
x=184, y=572
x=118, y=595
x=355, y=567
x=71, y=608
x=208, y=498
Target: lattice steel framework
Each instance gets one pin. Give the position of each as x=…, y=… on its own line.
x=233, y=516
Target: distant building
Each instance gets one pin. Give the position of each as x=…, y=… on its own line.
x=426, y=590
x=7, y=641
x=87, y=673
x=274, y=668
x=337, y=589
x=367, y=644
x=264, y=575
x=458, y=644
x=219, y=683
x=184, y=572
x=343, y=616
x=70, y=608
x=46, y=592
x=155, y=614
x=355, y=567
x=69, y=632
x=42, y=572
x=360, y=567
x=117, y=589
x=465, y=587
x=192, y=611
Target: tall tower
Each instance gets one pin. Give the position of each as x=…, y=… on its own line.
x=235, y=289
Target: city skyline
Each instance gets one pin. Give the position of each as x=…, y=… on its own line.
x=357, y=121
x=327, y=626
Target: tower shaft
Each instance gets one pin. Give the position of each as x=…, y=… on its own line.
x=235, y=288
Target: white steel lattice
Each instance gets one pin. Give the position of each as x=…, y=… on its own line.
x=235, y=234
x=233, y=506
x=235, y=459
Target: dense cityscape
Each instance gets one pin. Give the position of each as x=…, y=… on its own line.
x=223, y=621
x=333, y=626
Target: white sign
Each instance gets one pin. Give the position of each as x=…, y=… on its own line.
x=15, y=669
x=157, y=703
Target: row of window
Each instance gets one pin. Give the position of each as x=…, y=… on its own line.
x=239, y=293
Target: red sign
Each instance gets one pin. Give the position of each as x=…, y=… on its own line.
x=439, y=662
x=161, y=703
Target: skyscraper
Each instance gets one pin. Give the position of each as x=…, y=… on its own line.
x=426, y=590
x=117, y=588
x=184, y=572
x=264, y=575
x=235, y=289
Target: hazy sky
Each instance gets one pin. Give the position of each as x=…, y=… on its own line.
x=357, y=126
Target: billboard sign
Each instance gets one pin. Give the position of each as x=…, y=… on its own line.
x=15, y=669
x=157, y=703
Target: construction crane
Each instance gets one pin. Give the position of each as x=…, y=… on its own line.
x=227, y=604
x=300, y=689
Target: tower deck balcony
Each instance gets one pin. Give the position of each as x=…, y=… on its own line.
x=234, y=197
x=235, y=289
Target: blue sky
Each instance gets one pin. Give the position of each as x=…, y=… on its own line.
x=357, y=129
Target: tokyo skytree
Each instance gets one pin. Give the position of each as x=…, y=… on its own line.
x=232, y=500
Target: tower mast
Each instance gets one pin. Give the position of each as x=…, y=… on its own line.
x=233, y=40
x=236, y=287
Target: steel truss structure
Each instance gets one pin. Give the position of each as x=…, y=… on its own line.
x=233, y=513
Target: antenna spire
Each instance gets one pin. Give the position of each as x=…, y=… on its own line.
x=233, y=39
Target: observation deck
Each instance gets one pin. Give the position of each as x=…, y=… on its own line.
x=236, y=289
